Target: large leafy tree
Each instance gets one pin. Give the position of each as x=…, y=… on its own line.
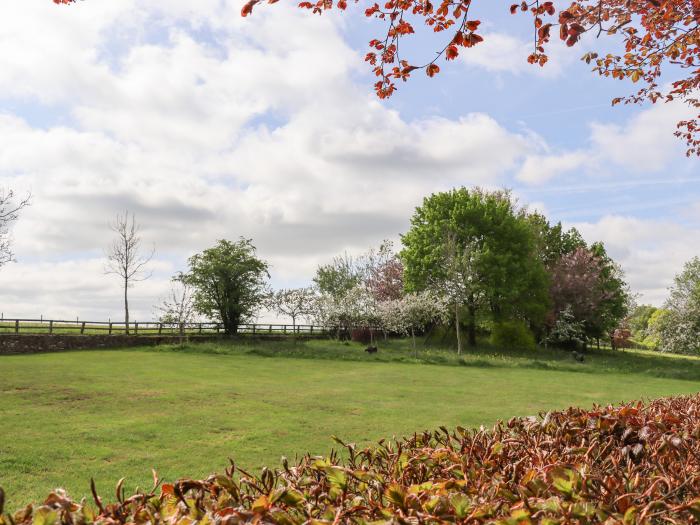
x=230, y=282
x=679, y=328
x=618, y=298
x=651, y=38
x=476, y=248
x=589, y=287
x=553, y=242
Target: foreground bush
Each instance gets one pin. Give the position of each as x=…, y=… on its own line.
x=512, y=335
x=631, y=464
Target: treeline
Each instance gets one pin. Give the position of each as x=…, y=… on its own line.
x=675, y=327
x=472, y=260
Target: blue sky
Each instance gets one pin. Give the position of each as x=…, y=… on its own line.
x=210, y=126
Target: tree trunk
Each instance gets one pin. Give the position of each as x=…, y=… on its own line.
x=459, y=334
x=126, y=306
x=472, y=324
x=415, y=348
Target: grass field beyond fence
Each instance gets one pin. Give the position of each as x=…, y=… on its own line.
x=67, y=417
x=149, y=328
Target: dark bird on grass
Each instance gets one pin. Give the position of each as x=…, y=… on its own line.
x=371, y=349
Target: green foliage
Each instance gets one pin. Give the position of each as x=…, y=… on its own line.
x=425, y=478
x=639, y=320
x=654, y=327
x=230, y=282
x=338, y=277
x=679, y=329
x=567, y=332
x=552, y=241
x=512, y=334
x=476, y=247
x=616, y=304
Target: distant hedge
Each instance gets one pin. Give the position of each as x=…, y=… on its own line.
x=636, y=463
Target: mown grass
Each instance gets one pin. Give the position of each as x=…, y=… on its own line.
x=184, y=410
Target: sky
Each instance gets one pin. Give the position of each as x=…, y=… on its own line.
x=209, y=126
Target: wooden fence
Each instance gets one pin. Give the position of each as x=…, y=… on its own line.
x=53, y=326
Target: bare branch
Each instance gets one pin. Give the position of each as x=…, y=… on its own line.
x=125, y=257
x=9, y=212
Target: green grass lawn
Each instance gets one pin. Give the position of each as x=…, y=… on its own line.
x=67, y=417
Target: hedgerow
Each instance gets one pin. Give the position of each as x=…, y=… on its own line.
x=635, y=463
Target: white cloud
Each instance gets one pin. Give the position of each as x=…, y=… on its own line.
x=650, y=251
x=257, y=136
x=645, y=142
x=538, y=169
x=504, y=53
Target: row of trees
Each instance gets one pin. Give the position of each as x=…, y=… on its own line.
x=675, y=327
x=476, y=259
x=471, y=259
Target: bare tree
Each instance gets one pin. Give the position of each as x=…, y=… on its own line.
x=457, y=282
x=9, y=211
x=177, y=308
x=125, y=257
x=294, y=303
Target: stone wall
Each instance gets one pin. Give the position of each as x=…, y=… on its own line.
x=31, y=344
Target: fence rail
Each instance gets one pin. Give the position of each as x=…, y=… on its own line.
x=54, y=326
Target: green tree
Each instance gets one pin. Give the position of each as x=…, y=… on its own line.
x=230, y=282
x=476, y=247
x=618, y=298
x=552, y=242
x=639, y=320
x=679, y=328
x=337, y=278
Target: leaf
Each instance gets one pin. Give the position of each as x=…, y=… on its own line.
x=451, y=52
x=248, y=7
x=45, y=516
x=261, y=504
x=432, y=70
x=472, y=25
x=396, y=494
x=336, y=477
x=461, y=504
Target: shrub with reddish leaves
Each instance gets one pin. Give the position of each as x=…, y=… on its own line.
x=637, y=463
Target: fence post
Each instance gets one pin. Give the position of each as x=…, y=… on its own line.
x=160, y=328
x=136, y=329
x=110, y=328
x=254, y=328
x=82, y=328
x=51, y=326
x=200, y=328
x=17, y=326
